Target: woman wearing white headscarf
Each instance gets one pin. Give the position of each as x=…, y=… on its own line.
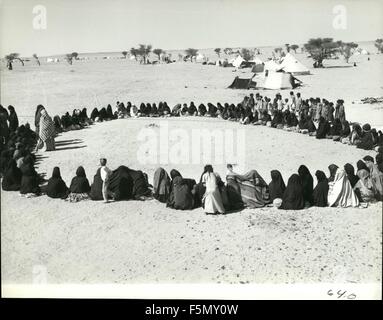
x=341, y=193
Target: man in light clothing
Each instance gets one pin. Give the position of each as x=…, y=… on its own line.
x=105, y=173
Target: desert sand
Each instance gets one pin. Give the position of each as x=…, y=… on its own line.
x=144, y=242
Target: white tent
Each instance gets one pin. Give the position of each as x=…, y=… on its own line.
x=237, y=61
x=292, y=65
x=271, y=65
x=200, y=58
x=279, y=80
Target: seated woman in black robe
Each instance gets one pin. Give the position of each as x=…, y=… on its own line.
x=211, y=110
x=184, y=110
x=12, y=177
x=307, y=184
x=66, y=122
x=320, y=191
x=94, y=114
x=302, y=124
x=367, y=139
x=56, y=187
x=346, y=131
x=323, y=129
x=79, y=186
x=167, y=110
x=277, y=121
x=277, y=186
x=102, y=115
x=265, y=118
x=154, y=111
x=109, y=113
x=311, y=126
x=350, y=171
x=148, y=110
x=192, y=110
x=142, y=110
x=181, y=195
x=336, y=130
x=160, y=109
x=293, y=196
x=161, y=185
x=30, y=180
x=202, y=110
x=128, y=108
x=96, y=187
x=176, y=111
x=58, y=125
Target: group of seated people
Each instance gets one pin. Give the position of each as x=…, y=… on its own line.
x=342, y=188
x=314, y=117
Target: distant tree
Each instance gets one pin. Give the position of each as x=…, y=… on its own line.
x=36, y=58
x=134, y=53
x=379, y=44
x=294, y=47
x=218, y=52
x=69, y=58
x=143, y=51
x=75, y=55
x=158, y=53
x=228, y=50
x=247, y=54
x=347, y=49
x=321, y=49
x=191, y=53
x=278, y=50
x=10, y=59
x=287, y=45
x=124, y=53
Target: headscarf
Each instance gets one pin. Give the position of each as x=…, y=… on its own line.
x=94, y=114
x=175, y=173
x=293, y=196
x=56, y=187
x=361, y=165
x=332, y=168
x=377, y=179
x=47, y=127
x=320, y=192
x=161, y=185
x=277, y=185
x=38, y=114
x=349, y=168
x=341, y=193
x=307, y=183
x=80, y=183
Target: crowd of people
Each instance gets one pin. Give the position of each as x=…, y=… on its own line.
x=343, y=188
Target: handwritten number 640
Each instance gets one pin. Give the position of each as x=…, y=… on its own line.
x=341, y=294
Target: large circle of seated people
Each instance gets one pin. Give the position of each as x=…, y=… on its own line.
x=342, y=188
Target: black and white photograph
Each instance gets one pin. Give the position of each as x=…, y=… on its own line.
x=181, y=149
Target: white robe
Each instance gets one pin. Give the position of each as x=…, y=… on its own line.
x=340, y=192
x=212, y=198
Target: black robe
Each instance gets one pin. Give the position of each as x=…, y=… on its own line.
x=29, y=180
x=293, y=196
x=277, y=186
x=56, y=187
x=12, y=177
x=79, y=183
x=350, y=171
x=320, y=191
x=307, y=183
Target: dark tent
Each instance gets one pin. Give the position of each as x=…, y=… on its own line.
x=240, y=83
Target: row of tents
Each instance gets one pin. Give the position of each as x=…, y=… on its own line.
x=274, y=75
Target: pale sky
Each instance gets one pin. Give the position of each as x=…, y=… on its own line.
x=115, y=25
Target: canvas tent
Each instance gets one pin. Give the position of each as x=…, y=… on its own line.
x=200, y=58
x=243, y=82
x=237, y=61
x=291, y=64
x=280, y=80
x=272, y=65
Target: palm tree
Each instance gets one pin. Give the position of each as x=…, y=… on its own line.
x=218, y=52
x=36, y=58
x=69, y=58
x=11, y=57
x=144, y=51
x=134, y=53
x=158, y=53
x=294, y=47
x=124, y=53
x=191, y=53
x=379, y=45
x=75, y=55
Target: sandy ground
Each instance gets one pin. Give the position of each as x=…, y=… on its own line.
x=143, y=242
x=136, y=242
